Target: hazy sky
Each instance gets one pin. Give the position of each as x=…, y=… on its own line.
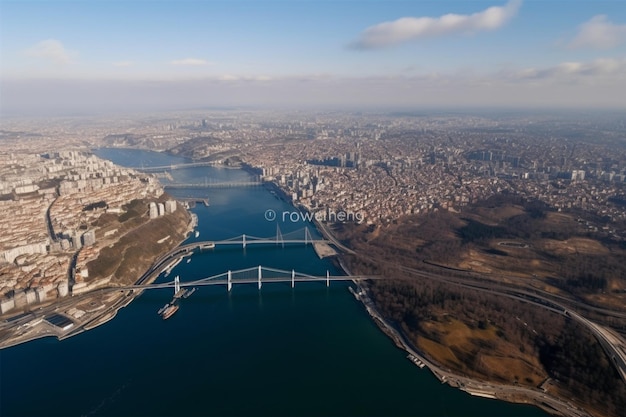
x=145, y=55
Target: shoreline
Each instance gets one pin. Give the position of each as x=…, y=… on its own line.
x=474, y=387
x=44, y=330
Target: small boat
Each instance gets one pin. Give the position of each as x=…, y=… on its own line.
x=197, y=233
x=189, y=292
x=188, y=260
x=169, y=311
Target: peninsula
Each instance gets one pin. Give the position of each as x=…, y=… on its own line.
x=78, y=224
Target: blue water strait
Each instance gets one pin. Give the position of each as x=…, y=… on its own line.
x=311, y=350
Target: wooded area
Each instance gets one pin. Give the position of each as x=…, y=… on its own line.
x=543, y=342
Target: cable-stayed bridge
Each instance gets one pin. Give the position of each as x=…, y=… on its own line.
x=299, y=236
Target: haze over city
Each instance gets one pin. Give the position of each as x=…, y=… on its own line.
x=357, y=207
x=85, y=57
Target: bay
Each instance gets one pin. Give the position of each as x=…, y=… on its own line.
x=311, y=350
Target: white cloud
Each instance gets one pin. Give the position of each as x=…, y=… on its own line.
x=568, y=71
x=410, y=28
x=193, y=62
x=599, y=33
x=51, y=50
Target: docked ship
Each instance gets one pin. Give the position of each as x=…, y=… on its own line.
x=168, y=312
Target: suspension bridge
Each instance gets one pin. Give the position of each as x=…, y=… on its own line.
x=171, y=259
x=172, y=167
x=212, y=184
x=256, y=275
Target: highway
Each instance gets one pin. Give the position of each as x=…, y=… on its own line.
x=613, y=345
x=328, y=235
x=472, y=386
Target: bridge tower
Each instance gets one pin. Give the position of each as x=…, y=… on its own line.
x=327, y=278
x=230, y=280
x=307, y=236
x=260, y=274
x=243, y=241
x=176, y=284
x=293, y=278
x=279, y=236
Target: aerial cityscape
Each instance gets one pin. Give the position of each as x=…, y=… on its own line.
x=285, y=184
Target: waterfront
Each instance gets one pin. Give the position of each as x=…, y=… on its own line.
x=308, y=351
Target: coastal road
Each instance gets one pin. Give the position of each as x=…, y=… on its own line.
x=474, y=387
x=328, y=235
x=611, y=343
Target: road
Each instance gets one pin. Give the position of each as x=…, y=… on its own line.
x=328, y=235
x=480, y=388
x=613, y=345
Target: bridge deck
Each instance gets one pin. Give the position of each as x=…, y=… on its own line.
x=264, y=280
x=213, y=184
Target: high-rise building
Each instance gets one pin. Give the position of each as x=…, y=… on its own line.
x=154, y=211
x=89, y=238
x=170, y=206
x=578, y=175
x=76, y=241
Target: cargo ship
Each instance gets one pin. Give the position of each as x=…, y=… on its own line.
x=168, y=312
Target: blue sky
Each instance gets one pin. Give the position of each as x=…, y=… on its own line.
x=350, y=52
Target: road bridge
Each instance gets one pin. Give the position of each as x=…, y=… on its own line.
x=256, y=275
x=177, y=166
x=300, y=236
x=210, y=184
x=612, y=344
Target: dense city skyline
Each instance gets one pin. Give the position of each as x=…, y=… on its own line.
x=69, y=57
